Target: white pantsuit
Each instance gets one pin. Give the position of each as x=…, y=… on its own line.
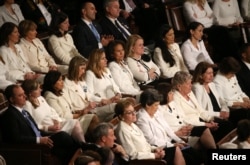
x=6, y=16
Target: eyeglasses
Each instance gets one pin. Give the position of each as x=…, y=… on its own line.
x=130, y=112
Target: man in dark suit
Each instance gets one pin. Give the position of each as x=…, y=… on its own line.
x=112, y=24
x=243, y=75
x=86, y=34
x=41, y=12
x=18, y=127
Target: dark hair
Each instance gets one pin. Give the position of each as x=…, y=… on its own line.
x=57, y=20
x=84, y=160
x=149, y=97
x=50, y=80
x=192, y=26
x=164, y=89
x=101, y=130
x=200, y=69
x=243, y=129
x=9, y=91
x=73, y=70
x=25, y=26
x=166, y=55
x=121, y=106
x=229, y=65
x=6, y=29
x=243, y=49
x=111, y=48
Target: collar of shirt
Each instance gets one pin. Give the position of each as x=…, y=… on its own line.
x=247, y=64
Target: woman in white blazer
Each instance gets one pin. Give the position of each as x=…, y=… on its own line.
x=37, y=56
x=185, y=98
x=227, y=85
x=130, y=136
x=199, y=11
x=13, y=56
x=120, y=71
x=157, y=131
x=167, y=54
x=60, y=43
x=59, y=98
x=45, y=116
x=144, y=72
x=206, y=93
x=10, y=12
x=196, y=136
x=80, y=95
x=193, y=49
x=98, y=73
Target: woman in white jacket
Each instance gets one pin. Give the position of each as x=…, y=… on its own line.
x=167, y=54
x=60, y=43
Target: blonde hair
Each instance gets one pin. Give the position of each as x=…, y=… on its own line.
x=74, y=64
x=130, y=43
x=93, y=64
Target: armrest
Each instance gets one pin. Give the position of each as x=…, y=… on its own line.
x=147, y=162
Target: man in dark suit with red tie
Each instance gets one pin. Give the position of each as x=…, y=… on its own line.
x=112, y=24
x=18, y=127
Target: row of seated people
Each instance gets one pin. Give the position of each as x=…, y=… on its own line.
x=150, y=102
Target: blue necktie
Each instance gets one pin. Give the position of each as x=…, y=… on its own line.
x=32, y=124
x=120, y=28
x=93, y=29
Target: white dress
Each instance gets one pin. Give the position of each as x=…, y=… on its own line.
x=44, y=116
x=64, y=108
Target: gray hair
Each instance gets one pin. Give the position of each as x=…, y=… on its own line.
x=180, y=78
x=107, y=3
x=101, y=130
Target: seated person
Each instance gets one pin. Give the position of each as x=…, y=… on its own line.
x=81, y=98
x=60, y=43
x=193, y=49
x=120, y=71
x=58, y=97
x=199, y=137
x=112, y=24
x=36, y=54
x=18, y=127
x=103, y=136
x=227, y=85
x=167, y=54
x=133, y=140
x=42, y=12
x=100, y=82
x=144, y=71
x=13, y=56
x=194, y=113
x=243, y=132
x=10, y=12
x=198, y=11
x=45, y=116
x=87, y=32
